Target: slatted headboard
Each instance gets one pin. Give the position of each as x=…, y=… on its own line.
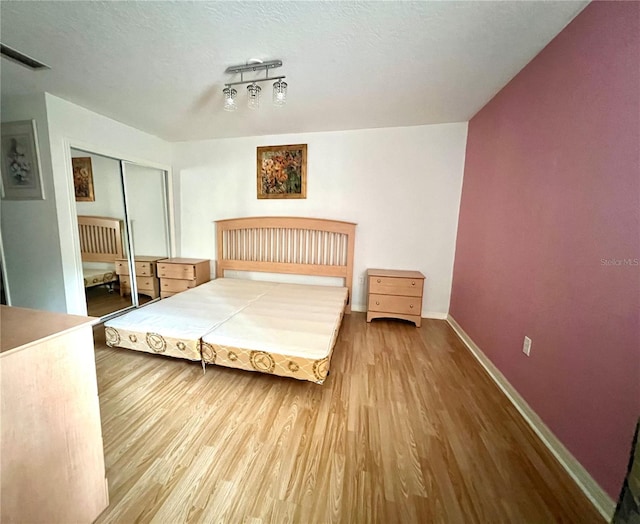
x=100, y=238
x=292, y=245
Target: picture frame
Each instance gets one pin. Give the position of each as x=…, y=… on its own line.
x=21, y=170
x=282, y=171
x=83, y=179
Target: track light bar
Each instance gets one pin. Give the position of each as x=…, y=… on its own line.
x=257, y=66
x=242, y=82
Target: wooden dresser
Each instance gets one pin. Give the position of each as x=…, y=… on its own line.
x=179, y=274
x=52, y=457
x=395, y=294
x=146, y=276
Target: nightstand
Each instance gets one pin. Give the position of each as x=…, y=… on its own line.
x=146, y=276
x=395, y=294
x=179, y=274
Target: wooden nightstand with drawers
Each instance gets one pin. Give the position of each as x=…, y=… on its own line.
x=179, y=274
x=146, y=276
x=395, y=294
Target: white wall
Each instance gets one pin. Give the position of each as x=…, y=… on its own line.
x=72, y=125
x=107, y=188
x=30, y=231
x=401, y=185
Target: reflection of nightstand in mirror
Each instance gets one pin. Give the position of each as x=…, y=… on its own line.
x=146, y=276
x=395, y=294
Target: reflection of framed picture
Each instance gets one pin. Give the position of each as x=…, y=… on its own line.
x=282, y=171
x=83, y=179
x=21, y=174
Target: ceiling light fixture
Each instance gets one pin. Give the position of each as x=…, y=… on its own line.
x=253, y=96
x=279, y=93
x=253, y=89
x=230, y=99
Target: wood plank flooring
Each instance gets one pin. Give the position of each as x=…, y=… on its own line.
x=407, y=428
x=100, y=302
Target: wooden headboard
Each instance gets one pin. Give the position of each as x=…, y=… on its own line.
x=292, y=245
x=100, y=238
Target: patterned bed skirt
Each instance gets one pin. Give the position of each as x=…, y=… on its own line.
x=153, y=343
x=265, y=362
x=250, y=360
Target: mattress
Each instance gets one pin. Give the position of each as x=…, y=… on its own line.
x=175, y=325
x=98, y=273
x=290, y=330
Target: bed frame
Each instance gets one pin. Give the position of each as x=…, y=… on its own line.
x=100, y=238
x=291, y=245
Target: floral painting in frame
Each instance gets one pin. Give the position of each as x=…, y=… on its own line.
x=83, y=179
x=282, y=171
x=21, y=174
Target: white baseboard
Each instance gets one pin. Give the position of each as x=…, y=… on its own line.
x=600, y=499
x=434, y=314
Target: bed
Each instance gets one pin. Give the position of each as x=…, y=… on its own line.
x=100, y=246
x=270, y=327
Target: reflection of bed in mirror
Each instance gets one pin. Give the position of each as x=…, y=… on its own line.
x=100, y=245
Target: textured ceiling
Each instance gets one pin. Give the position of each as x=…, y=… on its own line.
x=159, y=66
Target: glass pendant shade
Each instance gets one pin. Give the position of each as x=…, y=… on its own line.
x=253, y=92
x=230, y=103
x=279, y=93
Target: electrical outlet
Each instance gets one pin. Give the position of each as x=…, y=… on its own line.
x=526, y=347
x=361, y=280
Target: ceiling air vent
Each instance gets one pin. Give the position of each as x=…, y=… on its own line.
x=21, y=59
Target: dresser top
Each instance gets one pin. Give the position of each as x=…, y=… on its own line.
x=142, y=258
x=184, y=260
x=22, y=327
x=395, y=273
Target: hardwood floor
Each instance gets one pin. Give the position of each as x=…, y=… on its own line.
x=407, y=428
x=100, y=302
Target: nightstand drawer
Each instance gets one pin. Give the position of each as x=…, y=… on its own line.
x=176, y=285
x=184, y=271
x=396, y=286
x=144, y=283
x=395, y=304
x=125, y=285
x=145, y=269
x=122, y=267
x=147, y=283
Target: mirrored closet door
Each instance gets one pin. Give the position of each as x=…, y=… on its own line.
x=148, y=221
x=123, y=230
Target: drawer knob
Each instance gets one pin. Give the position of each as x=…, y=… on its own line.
x=377, y=303
x=378, y=281
x=413, y=283
x=410, y=306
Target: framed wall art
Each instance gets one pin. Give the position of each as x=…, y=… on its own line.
x=282, y=171
x=83, y=179
x=21, y=173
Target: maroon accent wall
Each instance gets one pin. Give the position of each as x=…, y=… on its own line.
x=549, y=236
